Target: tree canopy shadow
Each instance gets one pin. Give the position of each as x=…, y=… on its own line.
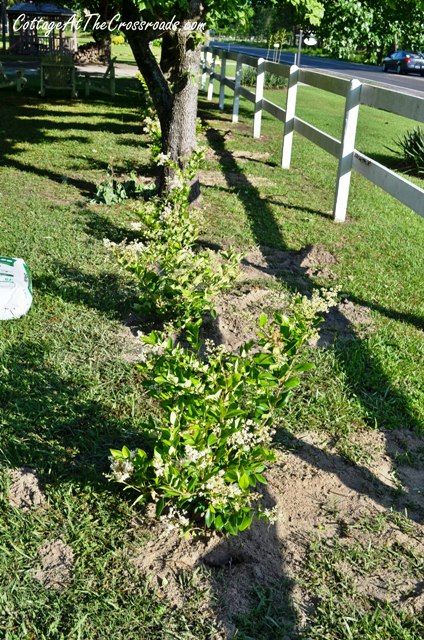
x=52, y=423
x=383, y=403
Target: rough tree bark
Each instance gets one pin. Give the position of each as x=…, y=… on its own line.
x=172, y=83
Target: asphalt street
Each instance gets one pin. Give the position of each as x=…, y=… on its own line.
x=411, y=83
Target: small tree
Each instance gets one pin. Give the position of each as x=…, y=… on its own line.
x=173, y=81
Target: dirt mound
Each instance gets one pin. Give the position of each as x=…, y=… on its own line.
x=238, y=314
x=267, y=262
x=57, y=560
x=316, y=493
x=345, y=321
x=25, y=492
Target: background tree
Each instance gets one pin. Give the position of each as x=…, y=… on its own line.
x=279, y=17
x=367, y=30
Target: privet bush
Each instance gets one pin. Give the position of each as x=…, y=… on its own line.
x=177, y=281
x=272, y=81
x=213, y=442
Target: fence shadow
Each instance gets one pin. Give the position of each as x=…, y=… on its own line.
x=381, y=400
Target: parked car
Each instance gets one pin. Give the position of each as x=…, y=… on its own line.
x=404, y=62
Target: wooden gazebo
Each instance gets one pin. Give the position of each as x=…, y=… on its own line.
x=29, y=41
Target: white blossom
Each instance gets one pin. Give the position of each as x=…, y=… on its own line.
x=121, y=469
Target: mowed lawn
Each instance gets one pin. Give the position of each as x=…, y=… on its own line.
x=68, y=391
x=379, y=251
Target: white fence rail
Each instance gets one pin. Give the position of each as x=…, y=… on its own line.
x=355, y=94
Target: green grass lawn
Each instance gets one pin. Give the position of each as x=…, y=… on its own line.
x=68, y=393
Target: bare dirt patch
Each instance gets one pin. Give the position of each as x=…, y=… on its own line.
x=311, y=261
x=238, y=314
x=316, y=493
x=132, y=348
x=57, y=560
x=25, y=491
x=345, y=321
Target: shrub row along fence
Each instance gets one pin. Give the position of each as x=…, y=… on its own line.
x=355, y=94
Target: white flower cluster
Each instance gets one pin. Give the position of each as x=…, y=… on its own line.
x=270, y=514
x=131, y=250
x=174, y=518
x=151, y=125
x=150, y=351
x=121, y=469
x=162, y=159
x=202, y=459
x=219, y=491
x=175, y=182
x=251, y=435
x=166, y=213
x=136, y=226
x=158, y=465
x=319, y=302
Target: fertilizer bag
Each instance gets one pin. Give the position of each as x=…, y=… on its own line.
x=15, y=288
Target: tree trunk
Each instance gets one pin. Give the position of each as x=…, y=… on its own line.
x=172, y=84
x=180, y=141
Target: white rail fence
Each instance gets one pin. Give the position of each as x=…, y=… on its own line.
x=355, y=94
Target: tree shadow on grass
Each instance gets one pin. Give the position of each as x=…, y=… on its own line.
x=409, y=318
x=384, y=405
x=53, y=424
x=109, y=293
x=26, y=122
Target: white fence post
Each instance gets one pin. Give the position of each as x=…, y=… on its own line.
x=237, y=83
x=204, y=59
x=347, y=148
x=259, y=94
x=211, y=76
x=286, y=151
x=222, y=79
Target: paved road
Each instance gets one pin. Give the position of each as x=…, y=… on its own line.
x=412, y=84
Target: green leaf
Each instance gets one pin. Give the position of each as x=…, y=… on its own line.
x=246, y=522
x=291, y=383
x=244, y=481
x=263, y=319
x=209, y=518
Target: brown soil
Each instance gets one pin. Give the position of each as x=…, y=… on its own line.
x=25, y=492
x=238, y=314
x=311, y=261
x=316, y=493
x=57, y=559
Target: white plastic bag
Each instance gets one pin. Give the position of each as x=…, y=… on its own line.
x=15, y=288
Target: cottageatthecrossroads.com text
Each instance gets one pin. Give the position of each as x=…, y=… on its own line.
x=94, y=22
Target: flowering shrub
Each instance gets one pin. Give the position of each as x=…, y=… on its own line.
x=213, y=442
x=177, y=282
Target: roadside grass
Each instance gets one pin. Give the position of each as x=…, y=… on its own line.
x=68, y=393
x=371, y=382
